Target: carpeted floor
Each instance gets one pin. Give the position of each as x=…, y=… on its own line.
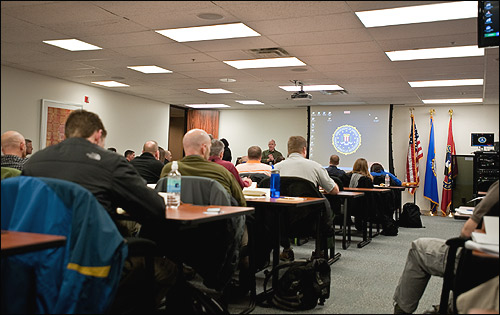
x=364, y=279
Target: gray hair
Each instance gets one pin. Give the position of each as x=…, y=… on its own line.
x=217, y=147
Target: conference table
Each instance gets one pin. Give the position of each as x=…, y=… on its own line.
x=278, y=205
x=367, y=235
x=14, y=242
x=346, y=230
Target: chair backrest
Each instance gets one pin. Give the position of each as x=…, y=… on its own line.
x=199, y=190
x=294, y=187
x=338, y=181
x=255, y=177
x=80, y=277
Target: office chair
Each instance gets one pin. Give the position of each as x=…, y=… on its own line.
x=470, y=272
x=214, y=246
x=80, y=277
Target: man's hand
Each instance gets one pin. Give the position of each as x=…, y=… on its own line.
x=468, y=228
x=270, y=157
x=247, y=181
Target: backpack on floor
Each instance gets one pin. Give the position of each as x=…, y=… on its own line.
x=410, y=216
x=302, y=284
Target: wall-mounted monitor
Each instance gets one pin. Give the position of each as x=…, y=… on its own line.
x=482, y=139
x=488, y=30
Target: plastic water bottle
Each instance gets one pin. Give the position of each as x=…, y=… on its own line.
x=174, y=186
x=275, y=183
x=387, y=180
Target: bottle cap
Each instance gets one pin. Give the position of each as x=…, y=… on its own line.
x=175, y=166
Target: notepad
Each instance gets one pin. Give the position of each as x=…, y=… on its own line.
x=491, y=229
x=254, y=192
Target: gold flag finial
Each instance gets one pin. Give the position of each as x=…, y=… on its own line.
x=432, y=111
x=450, y=112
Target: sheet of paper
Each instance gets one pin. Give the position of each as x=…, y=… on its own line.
x=491, y=229
x=489, y=249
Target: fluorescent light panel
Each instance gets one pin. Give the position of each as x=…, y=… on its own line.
x=250, y=102
x=419, y=14
x=307, y=88
x=453, y=101
x=435, y=53
x=215, y=91
x=207, y=105
x=265, y=63
x=110, y=83
x=72, y=44
x=211, y=32
x=460, y=82
x=149, y=69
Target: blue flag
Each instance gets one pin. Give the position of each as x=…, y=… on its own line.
x=430, y=185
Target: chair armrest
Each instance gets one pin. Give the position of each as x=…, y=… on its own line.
x=138, y=246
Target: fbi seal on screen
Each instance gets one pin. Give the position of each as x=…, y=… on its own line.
x=346, y=139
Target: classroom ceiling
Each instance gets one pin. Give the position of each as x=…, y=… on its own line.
x=326, y=35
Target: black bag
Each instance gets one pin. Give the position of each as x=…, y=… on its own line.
x=301, y=284
x=188, y=299
x=410, y=217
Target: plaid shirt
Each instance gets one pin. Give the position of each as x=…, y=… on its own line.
x=13, y=161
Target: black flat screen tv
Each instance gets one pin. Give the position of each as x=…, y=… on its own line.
x=488, y=23
x=482, y=139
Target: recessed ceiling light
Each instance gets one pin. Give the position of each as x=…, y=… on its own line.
x=72, y=44
x=452, y=101
x=149, y=69
x=215, y=91
x=250, y=102
x=210, y=16
x=292, y=88
x=435, y=53
x=265, y=63
x=110, y=83
x=446, y=83
x=207, y=105
x=419, y=14
x=223, y=31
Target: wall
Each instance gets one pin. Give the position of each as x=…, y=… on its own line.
x=465, y=120
x=244, y=128
x=123, y=115
x=128, y=127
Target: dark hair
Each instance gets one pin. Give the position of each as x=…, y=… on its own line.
x=376, y=168
x=226, y=144
x=82, y=124
x=127, y=153
x=112, y=149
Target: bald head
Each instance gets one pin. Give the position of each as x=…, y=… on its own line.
x=197, y=142
x=151, y=146
x=13, y=143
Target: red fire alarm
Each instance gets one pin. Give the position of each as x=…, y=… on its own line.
x=86, y=99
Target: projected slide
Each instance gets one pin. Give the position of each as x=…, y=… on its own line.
x=350, y=132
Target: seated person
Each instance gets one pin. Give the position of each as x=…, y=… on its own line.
x=13, y=149
x=148, y=164
x=378, y=170
x=271, y=156
x=216, y=153
x=129, y=155
x=427, y=257
x=82, y=159
x=332, y=169
x=253, y=165
x=381, y=203
x=297, y=165
x=212, y=239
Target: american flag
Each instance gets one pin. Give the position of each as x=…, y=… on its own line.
x=413, y=156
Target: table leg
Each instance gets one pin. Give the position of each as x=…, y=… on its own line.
x=345, y=242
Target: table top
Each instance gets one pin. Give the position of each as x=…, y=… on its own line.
x=365, y=189
x=189, y=213
x=392, y=187
x=14, y=242
x=283, y=201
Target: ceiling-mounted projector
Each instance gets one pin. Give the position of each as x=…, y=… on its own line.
x=301, y=95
